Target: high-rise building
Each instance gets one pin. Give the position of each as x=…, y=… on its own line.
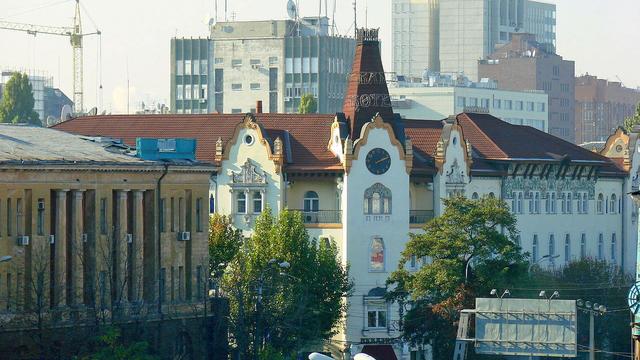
x=452, y=35
x=415, y=37
x=601, y=106
x=275, y=62
x=523, y=65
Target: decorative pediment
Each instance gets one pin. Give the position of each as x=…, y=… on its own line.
x=248, y=175
x=455, y=174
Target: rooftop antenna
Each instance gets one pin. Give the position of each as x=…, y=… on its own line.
x=355, y=19
x=333, y=19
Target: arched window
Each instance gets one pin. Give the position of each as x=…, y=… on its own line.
x=563, y=204
x=534, y=249
x=567, y=248
x=569, y=204
x=377, y=200
x=376, y=255
x=552, y=247
x=492, y=195
x=241, y=203
x=475, y=196
x=600, y=204
x=585, y=203
x=520, y=199
x=613, y=204
x=257, y=202
x=600, y=247
x=537, y=203
x=583, y=246
x=212, y=204
x=614, y=248
x=553, y=202
x=311, y=202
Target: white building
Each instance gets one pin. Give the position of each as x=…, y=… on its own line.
x=440, y=96
x=452, y=35
x=365, y=178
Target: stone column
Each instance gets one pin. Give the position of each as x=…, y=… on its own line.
x=122, y=247
x=138, y=246
x=77, y=250
x=60, y=246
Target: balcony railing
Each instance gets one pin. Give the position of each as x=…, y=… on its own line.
x=420, y=216
x=322, y=216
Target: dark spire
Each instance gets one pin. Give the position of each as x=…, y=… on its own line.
x=367, y=93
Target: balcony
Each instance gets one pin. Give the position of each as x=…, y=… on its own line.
x=321, y=216
x=420, y=216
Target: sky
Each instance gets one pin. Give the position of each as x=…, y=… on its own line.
x=599, y=35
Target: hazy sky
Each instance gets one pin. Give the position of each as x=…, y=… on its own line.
x=601, y=36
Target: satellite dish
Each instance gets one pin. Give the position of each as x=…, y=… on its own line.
x=363, y=356
x=51, y=121
x=93, y=111
x=292, y=10
x=317, y=356
x=634, y=298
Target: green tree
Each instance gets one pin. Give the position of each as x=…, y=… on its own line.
x=224, y=243
x=301, y=304
x=17, y=101
x=113, y=348
x=308, y=104
x=472, y=247
x=631, y=121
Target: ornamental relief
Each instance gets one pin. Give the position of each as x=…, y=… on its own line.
x=248, y=175
x=455, y=175
x=544, y=186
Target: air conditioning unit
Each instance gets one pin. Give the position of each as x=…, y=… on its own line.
x=23, y=240
x=129, y=238
x=40, y=205
x=184, y=236
x=287, y=98
x=85, y=237
x=202, y=101
x=52, y=239
x=256, y=66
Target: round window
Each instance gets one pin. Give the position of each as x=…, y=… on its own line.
x=455, y=140
x=248, y=139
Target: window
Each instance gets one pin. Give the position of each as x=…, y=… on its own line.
x=179, y=67
x=600, y=204
x=273, y=60
x=162, y=285
x=40, y=219
x=376, y=314
x=530, y=106
x=484, y=103
x=518, y=105
x=311, y=201
x=377, y=200
x=541, y=107
x=19, y=215
x=613, y=204
x=199, y=283
x=497, y=103
x=257, y=202
x=552, y=247
x=508, y=104
x=181, y=218
x=187, y=92
x=600, y=247
x=161, y=214
x=236, y=87
x=475, y=196
x=199, y=214
x=520, y=199
x=179, y=92
x=613, y=248
x=473, y=101
x=172, y=215
x=585, y=203
x=254, y=86
x=461, y=101
x=9, y=217
x=583, y=246
x=567, y=248
x=534, y=248
x=241, y=203
x=236, y=63
x=218, y=61
x=212, y=204
x=187, y=67
x=376, y=255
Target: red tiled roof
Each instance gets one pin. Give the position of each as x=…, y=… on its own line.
x=308, y=134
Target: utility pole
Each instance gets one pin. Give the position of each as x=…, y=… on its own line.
x=592, y=309
x=592, y=350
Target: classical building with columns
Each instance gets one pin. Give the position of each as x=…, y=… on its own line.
x=95, y=232
x=366, y=178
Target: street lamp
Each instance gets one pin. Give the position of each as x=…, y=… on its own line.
x=593, y=309
x=258, y=334
x=550, y=257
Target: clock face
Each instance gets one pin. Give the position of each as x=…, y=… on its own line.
x=378, y=161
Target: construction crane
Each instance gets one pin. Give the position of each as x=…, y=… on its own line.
x=75, y=36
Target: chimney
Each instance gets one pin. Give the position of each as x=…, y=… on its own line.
x=259, y=107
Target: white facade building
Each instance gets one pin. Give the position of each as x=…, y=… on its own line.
x=365, y=178
x=439, y=100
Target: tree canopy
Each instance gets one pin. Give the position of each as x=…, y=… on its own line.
x=301, y=303
x=17, y=102
x=472, y=247
x=632, y=121
x=308, y=104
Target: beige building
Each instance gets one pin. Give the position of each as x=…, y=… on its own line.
x=82, y=225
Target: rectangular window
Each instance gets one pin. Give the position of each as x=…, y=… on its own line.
x=204, y=93
x=273, y=60
x=376, y=315
x=181, y=283
x=9, y=217
x=257, y=202
x=241, y=201
x=518, y=105
x=187, y=67
x=254, y=86
x=530, y=105
x=199, y=283
x=613, y=248
x=567, y=248
x=161, y=215
x=172, y=285
x=163, y=285
x=218, y=61
x=179, y=67
x=236, y=87
x=103, y=216
x=236, y=63
x=497, y=103
x=179, y=92
x=172, y=215
x=187, y=92
x=583, y=246
x=199, y=214
x=181, y=219
x=461, y=101
x=484, y=103
x=203, y=67
x=473, y=101
x=196, y=67
x=255, y=63
x=508, y=104
x=541, y=106
x=40, y=218
x=236, y=111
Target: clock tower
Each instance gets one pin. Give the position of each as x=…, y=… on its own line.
x=375, y=200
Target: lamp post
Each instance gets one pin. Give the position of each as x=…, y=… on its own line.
x=635, y=328
x=258, y=336
x=593, y=309
x=550, y=257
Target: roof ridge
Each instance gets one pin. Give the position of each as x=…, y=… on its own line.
x=558, y=140
x=487, y=137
